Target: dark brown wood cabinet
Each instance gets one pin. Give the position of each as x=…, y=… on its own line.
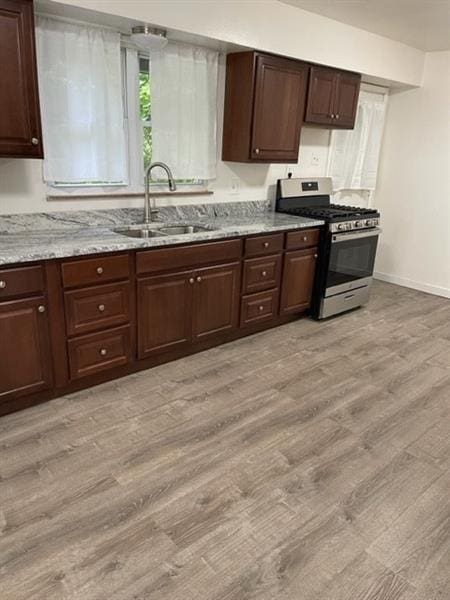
x=20, y=123
x=164, y=309
x=298, y=280
x=182, y=308
x=216, y=300
x=264, y=106
x=332, y=97
x=25, y=357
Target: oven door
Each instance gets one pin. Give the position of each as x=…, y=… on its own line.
x=352, y=258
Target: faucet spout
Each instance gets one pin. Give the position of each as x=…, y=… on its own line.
x=150, y=210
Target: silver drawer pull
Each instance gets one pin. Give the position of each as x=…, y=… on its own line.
x=35, y=141
x=191, y=280
x=2, y=285
x=199, y=279
x=305, y=238
x=256, y=150
x=264, y=273
x=266, y=244
x=99, y=270
x=261, y=308
x=41, y=308
x=103, y=352
x=101, y=307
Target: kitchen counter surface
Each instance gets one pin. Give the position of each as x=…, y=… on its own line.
x=65, y=237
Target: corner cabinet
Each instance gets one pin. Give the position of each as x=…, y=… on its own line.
x=332, y=98
x=20, y=123
x=25, y=357
x=264, y=107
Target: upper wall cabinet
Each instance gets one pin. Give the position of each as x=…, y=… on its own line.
x=264, y=106
x=20, y=124
x=332, y=97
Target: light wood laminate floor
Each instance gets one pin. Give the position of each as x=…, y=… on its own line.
x=309, y=462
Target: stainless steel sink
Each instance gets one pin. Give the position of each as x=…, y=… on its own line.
x=138, y=233
x=145, y=232
x=183, y=229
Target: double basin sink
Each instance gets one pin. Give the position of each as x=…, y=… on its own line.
x=150, y=231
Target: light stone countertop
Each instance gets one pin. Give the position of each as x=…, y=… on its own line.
x=28, y=238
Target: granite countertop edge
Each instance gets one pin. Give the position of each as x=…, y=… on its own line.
x=37, y=245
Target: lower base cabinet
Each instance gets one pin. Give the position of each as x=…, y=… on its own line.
x=181, y=308
x=298, y=280
x=25, y=357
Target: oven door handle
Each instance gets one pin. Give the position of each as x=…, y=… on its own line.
x=345, y=237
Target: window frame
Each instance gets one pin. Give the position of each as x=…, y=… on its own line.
x=134, y=152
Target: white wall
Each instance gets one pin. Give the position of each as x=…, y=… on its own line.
x=275, y=27
x=413, y=190
x=22, y=189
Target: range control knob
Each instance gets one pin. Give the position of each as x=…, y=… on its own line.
x=341, y=226
x=369, y=222
x=358, y=224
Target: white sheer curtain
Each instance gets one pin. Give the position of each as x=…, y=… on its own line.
x=81, y=101
x=354, y=154
x=184, y=109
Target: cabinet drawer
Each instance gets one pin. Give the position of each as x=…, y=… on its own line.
x=152, y=261
x=302, y=239
x=261, y=273
x=264, y=244
x=95, y=270
x=259, y=307
x=97, y=352
x=21, y=281
x=97, y=307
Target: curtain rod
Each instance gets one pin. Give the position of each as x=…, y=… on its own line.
x=79, y=22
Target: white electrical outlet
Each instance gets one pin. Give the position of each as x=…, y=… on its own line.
x=315, y=160
x=235, y=184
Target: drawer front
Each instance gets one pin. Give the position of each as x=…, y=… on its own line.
x=21, y=281
x=302, y=239
x=164, y=259
x=98, y=352
x=95, y=270
x=264, y=244
x=97, y=307
x=261, y=274
x=259, y=307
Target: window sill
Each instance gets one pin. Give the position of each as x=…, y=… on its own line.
x=109, y=196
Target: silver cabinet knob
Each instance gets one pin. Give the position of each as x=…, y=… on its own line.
x=305, y=238
x=264, y=273
x=2, y=285
x=336, y=116
x=103, y=352
x=316, y=255
x=101, y=307
x=34, y=141
x=261, y=308
x=41, y=308
x=199, y=279
x=266, y=244
x=99, y=270
x=191, y=280
x=256, y=150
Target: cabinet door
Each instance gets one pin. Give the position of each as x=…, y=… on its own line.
x=321, y=92
x=164, y=313
x=216, y=300
x=298, y=280
x=20, y=127
x=346, y=99
x=280, y=95
x=25, y=359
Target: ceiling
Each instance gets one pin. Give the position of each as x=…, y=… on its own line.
x=423, y=24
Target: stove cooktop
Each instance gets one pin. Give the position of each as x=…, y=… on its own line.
x=332, y=212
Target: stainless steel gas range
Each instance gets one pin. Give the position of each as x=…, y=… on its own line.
x=347, y=248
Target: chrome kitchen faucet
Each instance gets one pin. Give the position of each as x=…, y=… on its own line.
x=150, y=210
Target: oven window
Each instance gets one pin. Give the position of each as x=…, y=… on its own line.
x=351, y=260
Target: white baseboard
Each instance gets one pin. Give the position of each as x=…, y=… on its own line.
x=416, y=285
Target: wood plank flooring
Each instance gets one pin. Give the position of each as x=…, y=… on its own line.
x=309, y=462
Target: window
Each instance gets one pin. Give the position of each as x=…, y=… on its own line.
x=103, y=123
